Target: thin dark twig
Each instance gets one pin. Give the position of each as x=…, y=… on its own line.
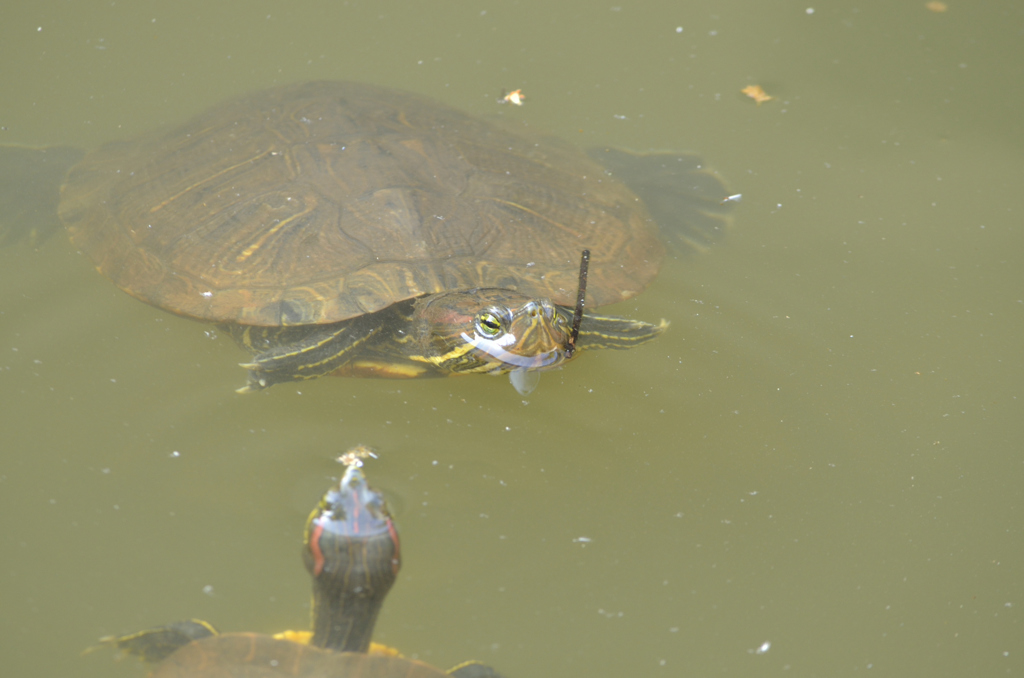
x=581, y=294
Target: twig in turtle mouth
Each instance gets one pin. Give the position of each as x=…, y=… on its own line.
x=577, y=316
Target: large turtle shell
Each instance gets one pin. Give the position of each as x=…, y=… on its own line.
x=323, y=201
x=250, y=655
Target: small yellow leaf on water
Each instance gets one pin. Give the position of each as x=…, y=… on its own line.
x=756, y=93
x=515, y=97
x=936, y=6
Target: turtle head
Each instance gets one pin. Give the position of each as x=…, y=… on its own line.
x=492, y=331
x=351, y=551
x=499, y=331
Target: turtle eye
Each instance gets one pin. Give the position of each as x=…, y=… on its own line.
x=488, y=324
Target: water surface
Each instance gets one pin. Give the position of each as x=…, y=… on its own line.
x=816, y=471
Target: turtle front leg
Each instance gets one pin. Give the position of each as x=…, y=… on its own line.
x=603, y=331
x=282, y=354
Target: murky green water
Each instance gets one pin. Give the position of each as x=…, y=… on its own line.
x=824, y=452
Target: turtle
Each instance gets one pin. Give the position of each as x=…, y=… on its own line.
x=352, y=553
x=351, y=229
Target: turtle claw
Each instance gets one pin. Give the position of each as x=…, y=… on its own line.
x=255, y=383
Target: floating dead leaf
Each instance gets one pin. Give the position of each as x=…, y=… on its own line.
x=355, y=456
x=757, y=93
x=515, y=97
x=936, y=6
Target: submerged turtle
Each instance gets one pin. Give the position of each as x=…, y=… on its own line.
x=349, y=229
x=351, y=551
